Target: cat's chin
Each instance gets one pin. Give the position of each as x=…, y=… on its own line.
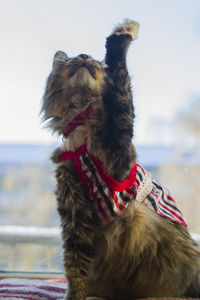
x=83, y=78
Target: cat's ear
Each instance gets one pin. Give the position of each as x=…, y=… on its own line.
x=60, y=57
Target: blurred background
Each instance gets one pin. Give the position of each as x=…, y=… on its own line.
x=164, y=63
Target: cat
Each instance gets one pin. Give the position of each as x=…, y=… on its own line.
x=123, y=235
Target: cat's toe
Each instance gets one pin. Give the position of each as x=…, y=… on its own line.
x=127, y=27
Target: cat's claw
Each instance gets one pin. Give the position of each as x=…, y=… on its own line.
x=127, y=27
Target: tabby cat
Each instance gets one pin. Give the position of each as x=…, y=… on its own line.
x=123, y=235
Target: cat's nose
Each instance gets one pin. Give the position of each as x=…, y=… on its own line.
x=84, y=56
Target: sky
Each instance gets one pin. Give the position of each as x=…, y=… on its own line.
x=164, y=62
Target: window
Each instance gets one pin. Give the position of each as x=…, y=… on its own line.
x=165, y=66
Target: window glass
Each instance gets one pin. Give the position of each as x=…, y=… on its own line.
x=165, y=69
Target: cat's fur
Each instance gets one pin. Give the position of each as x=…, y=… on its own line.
x=139, y=254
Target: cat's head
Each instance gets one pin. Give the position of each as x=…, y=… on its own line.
x=73, y=85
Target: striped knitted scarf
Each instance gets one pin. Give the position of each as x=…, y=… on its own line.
x=112, y=197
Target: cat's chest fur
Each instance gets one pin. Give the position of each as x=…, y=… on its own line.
x=76, y=139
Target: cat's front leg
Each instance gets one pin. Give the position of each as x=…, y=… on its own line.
x=79, y=231
x=79, y=235
x=113, y=132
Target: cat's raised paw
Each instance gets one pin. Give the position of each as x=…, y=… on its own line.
x=127, y=27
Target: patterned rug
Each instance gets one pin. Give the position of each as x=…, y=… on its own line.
x=29, y=289
x=37, y=289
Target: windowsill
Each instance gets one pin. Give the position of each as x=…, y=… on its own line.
x=36, y=275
